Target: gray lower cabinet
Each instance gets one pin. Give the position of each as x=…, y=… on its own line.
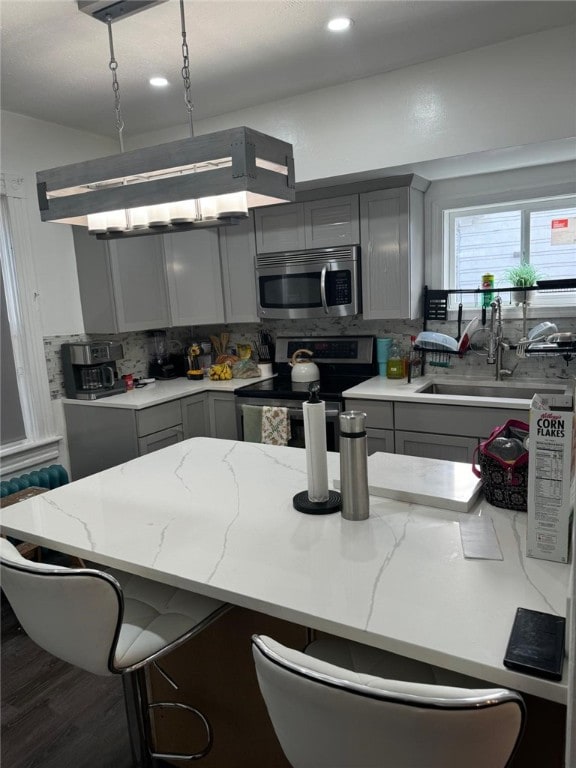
x=380, y=440
x=101, y=437
x=158, y=440
x=428, y=446
x=122, y=283
x=379, y=423
x=222, y=414
x=449, y=432
x=195, y=417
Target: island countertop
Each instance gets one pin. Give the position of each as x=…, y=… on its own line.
x=216, y=517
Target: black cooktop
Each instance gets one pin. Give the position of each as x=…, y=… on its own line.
x=343, y=362
x=331, y=387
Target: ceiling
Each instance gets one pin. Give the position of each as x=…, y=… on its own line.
x=54, y=59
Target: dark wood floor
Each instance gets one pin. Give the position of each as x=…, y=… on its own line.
x=55, y=715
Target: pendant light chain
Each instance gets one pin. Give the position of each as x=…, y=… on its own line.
x=113, y=65
x=186, y=70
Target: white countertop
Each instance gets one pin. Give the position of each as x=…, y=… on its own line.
x=216, y=517
x=164, y=391
x=399, y=390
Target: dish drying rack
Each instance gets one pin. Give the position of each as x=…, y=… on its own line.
x=436, y=304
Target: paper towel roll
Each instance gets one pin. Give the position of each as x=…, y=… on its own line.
x=316, y=460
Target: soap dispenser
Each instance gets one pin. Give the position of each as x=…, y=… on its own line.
x=395, y=365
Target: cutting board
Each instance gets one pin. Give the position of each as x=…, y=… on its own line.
x=431, y=482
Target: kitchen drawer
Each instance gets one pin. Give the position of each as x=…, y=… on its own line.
x=429, y=446
x=468, y=421
x=379, y=415
x=159, y=440
x=158, y=417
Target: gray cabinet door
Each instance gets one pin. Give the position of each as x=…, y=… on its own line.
x=194, y=278
x=95, y=283
x=195, y=417
x=122, y=283
x=158, y=440
x=237, y=255
x=379, y=415
x=392, y=254
x=380, y=440
x=429, y=446
x=280, y=228
x=222, y=409
x=139, y=283
x=332, y=222
x=99, y=437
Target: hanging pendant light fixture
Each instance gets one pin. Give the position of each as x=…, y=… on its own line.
x=202, y=181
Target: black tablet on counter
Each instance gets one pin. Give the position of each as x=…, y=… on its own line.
x=536, y=644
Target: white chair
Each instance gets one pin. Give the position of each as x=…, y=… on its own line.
x=109, y=623
x=329, y=716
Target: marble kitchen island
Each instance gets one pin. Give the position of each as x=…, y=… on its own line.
x=216, y=517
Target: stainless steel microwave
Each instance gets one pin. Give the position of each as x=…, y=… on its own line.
x=318, y=283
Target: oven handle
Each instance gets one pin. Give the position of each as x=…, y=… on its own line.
x=323, y=288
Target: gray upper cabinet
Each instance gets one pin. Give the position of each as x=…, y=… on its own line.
x=194, y=278
x=391, y=235
x=313, y=224
x=237, y=256
x=122, y=283
x=280, y=228
x=332, y=222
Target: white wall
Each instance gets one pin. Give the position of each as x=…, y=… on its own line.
x=515, y=93
x=27, y=146
x=520, y=92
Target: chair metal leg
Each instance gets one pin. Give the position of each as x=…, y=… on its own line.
x=138, y=711
x=135, y=698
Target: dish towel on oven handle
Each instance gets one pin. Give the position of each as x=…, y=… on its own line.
x=252, y=423
x=275, y=425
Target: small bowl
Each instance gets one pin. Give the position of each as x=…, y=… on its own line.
x=195, y=375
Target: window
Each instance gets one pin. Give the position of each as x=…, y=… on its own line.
x=495, y=238
x=27, y=420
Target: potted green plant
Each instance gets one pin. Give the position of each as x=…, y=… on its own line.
x=525, y=275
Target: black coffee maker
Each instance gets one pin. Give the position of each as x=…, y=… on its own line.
x=90, y=369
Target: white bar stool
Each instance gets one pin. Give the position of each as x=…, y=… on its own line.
x=347, y=705
x=109, y=623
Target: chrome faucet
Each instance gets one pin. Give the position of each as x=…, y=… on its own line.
x=496, y=343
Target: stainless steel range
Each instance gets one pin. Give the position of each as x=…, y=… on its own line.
x=344, y=361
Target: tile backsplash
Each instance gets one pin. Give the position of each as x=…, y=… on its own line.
x=136, y=345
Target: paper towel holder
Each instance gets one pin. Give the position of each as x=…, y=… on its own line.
x=302, y=503
x=301, y=500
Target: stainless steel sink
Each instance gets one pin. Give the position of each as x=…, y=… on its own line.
x=523, y=392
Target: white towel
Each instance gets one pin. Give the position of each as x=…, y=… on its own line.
x=275, y=425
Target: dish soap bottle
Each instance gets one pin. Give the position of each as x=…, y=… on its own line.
x=395, y=365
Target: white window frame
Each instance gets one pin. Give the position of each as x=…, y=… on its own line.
x=543, y=182
x=525, y=207
x=22, y=297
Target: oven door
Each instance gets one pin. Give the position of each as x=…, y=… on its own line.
x=303, y=285
x=296, y=416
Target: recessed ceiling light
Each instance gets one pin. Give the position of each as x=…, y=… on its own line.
x=158, y=82
x=339, y=24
